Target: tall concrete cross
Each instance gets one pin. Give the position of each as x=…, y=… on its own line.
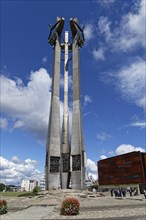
x=63, y=162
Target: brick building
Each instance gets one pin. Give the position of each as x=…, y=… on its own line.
x=128, y=168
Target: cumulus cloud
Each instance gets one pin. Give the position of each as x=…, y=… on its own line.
x=132, y=29
x=102, y=136
x=3, y=123
x=15, y=159
x=127, y=148
x=131, y=82
x=14, y=170
x=28, y=105
x=24, y=99
x=91, y=166
x=111, y=153
x=92, y=176
x=122, y=149
x=130, y=32
x=98, y=54
x=88, y=32
x=87, y=99
x=91, y=169
x=102, y=157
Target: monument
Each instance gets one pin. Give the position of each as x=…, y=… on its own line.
x=77, y=145
x=65, y=145
x=52, y=166
x=65, y=159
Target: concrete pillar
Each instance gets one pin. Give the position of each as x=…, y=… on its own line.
x=65, y=145
x=77, y=145
x=52, y=166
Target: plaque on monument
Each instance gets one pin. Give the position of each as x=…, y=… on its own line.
x=76, y=162
x=65, y=162
x=54, y=164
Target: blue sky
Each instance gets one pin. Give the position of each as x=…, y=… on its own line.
x=113, y=71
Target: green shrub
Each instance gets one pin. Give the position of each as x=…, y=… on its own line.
x=70, y=206
x=26, y=194
x=3, y=207
x=36, y=189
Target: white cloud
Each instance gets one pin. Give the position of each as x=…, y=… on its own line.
x=28, y=106
x=132, y=29
x=111, y=153
x=19, y=81
x=102, y=157
x=24, y=99
x=3, y=123
x=98, y=54
x=15, y=159
x=91, y=169
x=87, y=100
x=142, y=101
x=14, y=170
x=130, y=32
x=104, y=26
x=18, y=124
x=126, y=148
x=140, y=124
x=91, y=166
x=123, y=149
x=5, y=164
x=88, y=32
x=92, y=176
x=131, y=82
x=103, y=136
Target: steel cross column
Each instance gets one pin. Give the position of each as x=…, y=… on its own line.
x=65, y=146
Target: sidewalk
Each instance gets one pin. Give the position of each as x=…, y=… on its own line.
x=47, y=206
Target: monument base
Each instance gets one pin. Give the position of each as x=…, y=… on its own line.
x=76, y=180
x=53, y=181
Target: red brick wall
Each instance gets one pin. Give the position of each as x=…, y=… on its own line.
x=123, y=169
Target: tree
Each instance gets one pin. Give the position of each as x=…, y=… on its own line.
x=2, y=187
x=9, y=188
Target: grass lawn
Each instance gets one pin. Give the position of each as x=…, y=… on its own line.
x=15, y=194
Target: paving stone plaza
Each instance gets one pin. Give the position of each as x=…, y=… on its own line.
x=93, y=205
